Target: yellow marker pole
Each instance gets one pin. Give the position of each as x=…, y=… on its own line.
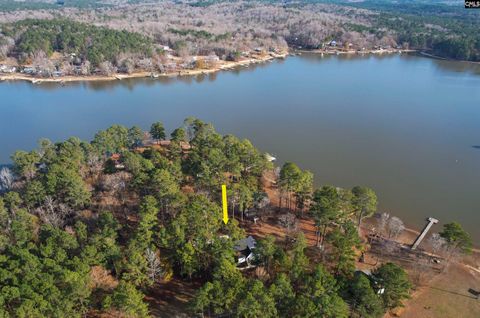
x=224, y=203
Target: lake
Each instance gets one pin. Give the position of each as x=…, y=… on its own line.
x=407, y=126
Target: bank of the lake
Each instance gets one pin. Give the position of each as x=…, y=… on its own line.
x=221, y=65
x=406, y=126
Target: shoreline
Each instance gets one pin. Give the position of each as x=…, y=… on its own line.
x=410, y=234
x=354, y=52
x=381, y=52
x=436, y=57
x=224, y=65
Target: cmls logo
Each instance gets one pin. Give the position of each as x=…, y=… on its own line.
x=472, y=4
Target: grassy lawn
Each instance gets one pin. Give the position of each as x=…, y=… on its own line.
x=446, y=296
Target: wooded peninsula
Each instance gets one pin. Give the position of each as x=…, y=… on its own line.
x=116, y=226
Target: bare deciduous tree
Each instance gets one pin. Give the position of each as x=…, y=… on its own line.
x=437, y=243
x=43, y=64
x=53, y=213
x=288, y=221
x=66, y=68
x=262, y=202
x=390, y=226
x=85, y=68
x=154, y=266
x=421, y=272
x=106, y=68
x=382, y=223
x=395, y=227
x=95, y=164
x=6, y=45
x=6, y=179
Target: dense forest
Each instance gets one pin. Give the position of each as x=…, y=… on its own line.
x=9, y=5
x=93, y=227
x=445, y=29
x=121, y=36
x=86, y=42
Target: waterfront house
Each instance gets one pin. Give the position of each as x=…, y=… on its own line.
x=211, y=58
x=29, y=70
x=116, y=160
x=244, y=249
x=77, y=70
x=333, y=43
x=166, y=48
x=7, y=69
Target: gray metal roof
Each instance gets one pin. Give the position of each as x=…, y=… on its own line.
x=245, y=243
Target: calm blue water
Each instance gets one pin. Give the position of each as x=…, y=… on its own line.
x=406, y=126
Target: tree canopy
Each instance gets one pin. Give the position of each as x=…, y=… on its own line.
x=456, y=237
x=86, y=41
x=78, y=233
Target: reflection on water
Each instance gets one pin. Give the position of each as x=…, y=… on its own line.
x=459, y=67
x=130, y=83
x=404, y=125
x=441, y=65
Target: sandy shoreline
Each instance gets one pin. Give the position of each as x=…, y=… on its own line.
x=355, y=52
x=225, y=65
x=409, y=235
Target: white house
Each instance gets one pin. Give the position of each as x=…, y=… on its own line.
x=7, y=69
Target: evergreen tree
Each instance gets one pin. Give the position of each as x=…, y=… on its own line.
x=363, y=299
x=157, y=131
x=129, y=300
x=395, y=281
x=343, y=241
x=364, y=202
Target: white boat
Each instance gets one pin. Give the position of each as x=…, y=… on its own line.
x=269, y=157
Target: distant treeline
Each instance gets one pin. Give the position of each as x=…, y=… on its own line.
x=88, y=42
x=454, y=39
x=9, y=5
x=446, y=30
x=202, y=34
